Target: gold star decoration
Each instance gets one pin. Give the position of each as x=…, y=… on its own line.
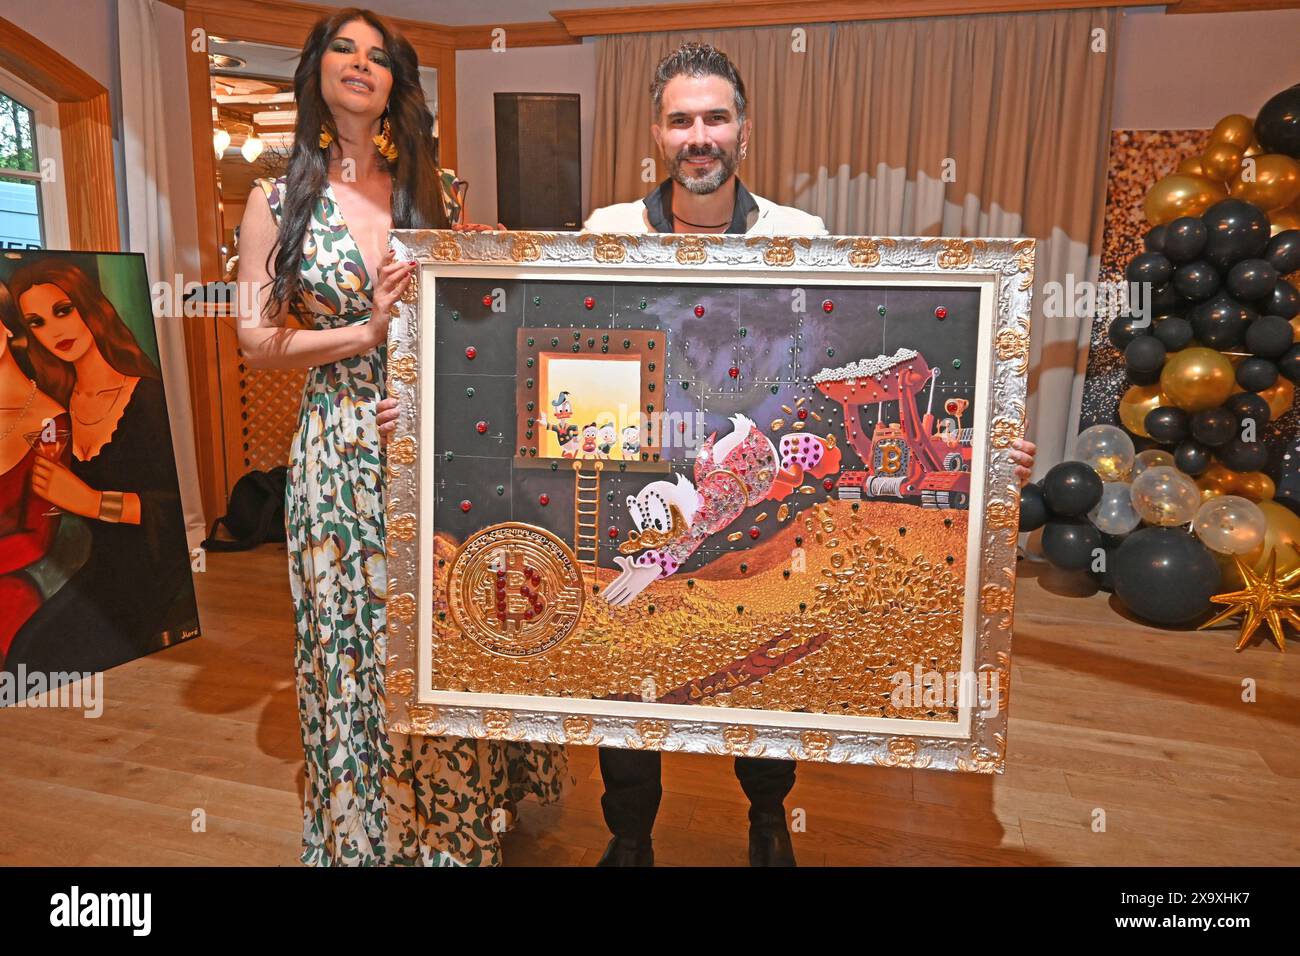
x=1265, y=597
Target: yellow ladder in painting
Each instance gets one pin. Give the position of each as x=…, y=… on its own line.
x=586, y=517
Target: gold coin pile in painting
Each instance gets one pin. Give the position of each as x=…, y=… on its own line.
x=515, y=590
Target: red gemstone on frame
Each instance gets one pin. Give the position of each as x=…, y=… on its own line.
x=734, y=372
x=940, y=312
x=466, y=505
x=613, y=532
x=589, y=302
x=803, y=414
x=481, y=427
x=487, y=301
x=828, y=306
x=699, y=311
x=543, y=500
x=470, y=352
x=828, y=483
x=753, y=532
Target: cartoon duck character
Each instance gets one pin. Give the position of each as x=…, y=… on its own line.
x=559, y=423
x=608, y=435
x=631, y=442
x=743, y=469
x=590, y=446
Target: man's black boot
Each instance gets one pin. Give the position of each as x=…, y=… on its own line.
x=769, y=841
x=625, y=851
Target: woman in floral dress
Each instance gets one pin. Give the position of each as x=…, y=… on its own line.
x=364, y=160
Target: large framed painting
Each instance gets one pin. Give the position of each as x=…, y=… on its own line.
x=727, y=495
x=94, y=564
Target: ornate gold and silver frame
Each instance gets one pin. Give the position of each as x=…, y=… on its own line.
x=1001, y=268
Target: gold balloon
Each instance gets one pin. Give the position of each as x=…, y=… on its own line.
x=1283, y=534
x=1280, y=220
x=1220, y=480
x=1279, y=396
x=1276, y=182
x=1221, y=161
x=1197, y=378
x=1254, y=149
x=1181, y=195
x=1191, y=166
x=1235, y=129
x=1136, y=403
x=1295, y=325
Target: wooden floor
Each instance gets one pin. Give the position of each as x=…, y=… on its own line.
x=1145, y=725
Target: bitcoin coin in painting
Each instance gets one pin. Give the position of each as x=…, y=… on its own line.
x=515, y=590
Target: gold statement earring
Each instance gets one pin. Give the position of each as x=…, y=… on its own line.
x=384, y=142
x=326, y=137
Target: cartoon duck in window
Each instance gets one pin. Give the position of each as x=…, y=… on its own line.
x=565, y=433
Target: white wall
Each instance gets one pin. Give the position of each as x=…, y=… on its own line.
x=1189, y=71
x=480, y=74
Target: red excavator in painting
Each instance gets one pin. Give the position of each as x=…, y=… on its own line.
x=911, y=458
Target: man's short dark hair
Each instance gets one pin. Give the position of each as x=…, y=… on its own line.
x=696, y=59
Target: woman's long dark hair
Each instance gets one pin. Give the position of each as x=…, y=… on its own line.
x=417, y=198
x=54, y=376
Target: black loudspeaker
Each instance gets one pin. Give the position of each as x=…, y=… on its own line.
x=539, y=160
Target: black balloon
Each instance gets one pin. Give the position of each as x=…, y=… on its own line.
x=1197, y=280
x=1154, y=240
x=1148, y=377
x=1248, y=406
x=1277, y=126
x=1165, y=298
x=1150, y=267
x=1071, y=488
x=1285, y=300
x=1176, y=332
x=1191, y=457
x=1146, y=353
x=1237, y=230
x=1165, y=575
x=1069, y=543
x=1213, y=426
x=1220, y=322
x=1289, y=364
x=1269, y=336
x=1243, y=455
x=1033, y=507
x=1185, y=239
x=1283, y=251
x=1251, y=279
x=1166, y=424
x=1125, y=328
x=1256, y=374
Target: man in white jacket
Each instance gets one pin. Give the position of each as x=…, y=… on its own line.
x=702, y=133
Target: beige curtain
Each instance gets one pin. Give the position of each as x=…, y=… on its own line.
x=957, y=126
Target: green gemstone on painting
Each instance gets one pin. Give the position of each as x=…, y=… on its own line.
x=554, y=465
x=774, y=389
x=627, y=343
x=537, y=300
x=651, y=366
x=651, y=344
x=690, y=582
x=642, y=305
x=529, y=433
x=803, y=606
x=455, y=316
x=529, y=363
x=830, y=353
x=576, y=336
x=529, y=383
x=740, y=609
x=649, y=408
x=609, y=496
x=956, y=363
x=880, y=309
x=530, y=341
x=656, y=456
x=744, y=332
x=591, y=343
x=743, y=567
x=501, y=489
x=686, y=385
x=604, y=338
x=651, y=608
x=577, y=347
x=469, y=392
x=449, y=456
x=523, y=451
x=531, y=406
x=622, y=466
x=554, y=342
x=604, y=348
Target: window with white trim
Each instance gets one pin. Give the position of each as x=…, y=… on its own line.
x=33, y=209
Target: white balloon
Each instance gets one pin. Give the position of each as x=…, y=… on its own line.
x=1114, y=513
x=1165, y=497
x=1230, y=524
x=1107, y=450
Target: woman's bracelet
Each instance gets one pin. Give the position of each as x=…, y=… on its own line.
x=110, y=506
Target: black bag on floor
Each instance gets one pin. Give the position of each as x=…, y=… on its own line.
x=255, y=514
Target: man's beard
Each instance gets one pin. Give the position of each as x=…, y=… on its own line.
x=702, y=185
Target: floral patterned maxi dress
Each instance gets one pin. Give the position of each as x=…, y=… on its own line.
x=371, y=798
